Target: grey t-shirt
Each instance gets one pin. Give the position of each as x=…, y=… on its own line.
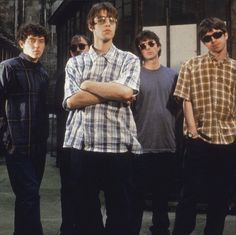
x=152, y=110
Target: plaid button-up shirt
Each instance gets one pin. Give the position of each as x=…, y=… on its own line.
x=210, y=85
x=106, y=127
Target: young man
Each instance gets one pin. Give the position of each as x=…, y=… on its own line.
x=155, y=120
x=23, y=89
x=79, y=44
x=100, y=128
x=207, y=86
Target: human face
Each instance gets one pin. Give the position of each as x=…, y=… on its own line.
x=104, y=27
x=78, y=48
x=149, y=49
x=217, y=42
x=33, y=46
x=83, y=46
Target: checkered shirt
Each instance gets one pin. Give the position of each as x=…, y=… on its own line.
x=106, y=127
x=210, y=85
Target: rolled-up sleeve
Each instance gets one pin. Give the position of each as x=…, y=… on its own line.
x=182, y=89
x=72, y=79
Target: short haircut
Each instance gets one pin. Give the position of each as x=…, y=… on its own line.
x=31, y=29
x=77, y=39
x=209, y=24
x=96, y=8
x=146, y=35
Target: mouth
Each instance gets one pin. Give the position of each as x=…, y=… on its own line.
x=215, y=45
x=107, y=31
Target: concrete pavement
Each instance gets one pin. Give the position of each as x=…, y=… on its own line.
x=50, y=206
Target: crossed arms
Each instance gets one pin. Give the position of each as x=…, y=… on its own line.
x=92, y=92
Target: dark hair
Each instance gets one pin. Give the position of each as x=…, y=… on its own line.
x=96, y=8
x=145, y=35
x=31, y=29
x=209, y=24
x=77, y=39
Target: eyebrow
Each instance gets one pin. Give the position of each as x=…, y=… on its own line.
x=40, y=37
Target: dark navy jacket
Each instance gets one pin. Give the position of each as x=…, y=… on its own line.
x=23, y=104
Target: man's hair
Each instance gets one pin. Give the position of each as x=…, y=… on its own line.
x=96, y=8
x=209, y=24
x=31, y=29
x=146, y=35
x=77, y=39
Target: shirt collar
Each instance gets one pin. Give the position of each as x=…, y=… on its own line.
x=212, y=59
x=28, y=60
x=109, y=56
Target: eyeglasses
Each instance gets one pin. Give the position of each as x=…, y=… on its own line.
x=102, y=20
x=215, y=35
x=143, y=45
x=81, y=46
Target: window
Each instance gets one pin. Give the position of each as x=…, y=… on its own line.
x=181, y=11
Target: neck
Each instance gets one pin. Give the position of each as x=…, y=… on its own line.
x=152, y=64
x=102, y=47
x=29, y=58
x=220, y=55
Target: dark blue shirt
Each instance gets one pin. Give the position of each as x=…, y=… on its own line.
x=23, y=105
x=153, y=112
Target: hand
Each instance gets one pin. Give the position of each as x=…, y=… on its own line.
x=132, y=99
x=84, y=85
x=192, y=134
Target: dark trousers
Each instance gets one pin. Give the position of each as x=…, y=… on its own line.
x=25, y=174
x=92, y=172
x=153, y=176
x=207, y=177
x=68, y=224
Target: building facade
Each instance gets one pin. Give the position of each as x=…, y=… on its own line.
x=175, y=21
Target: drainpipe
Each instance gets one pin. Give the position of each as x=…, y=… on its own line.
x=16, y=17
x=168, y=33
x=23, y=11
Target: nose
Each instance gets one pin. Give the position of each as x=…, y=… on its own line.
x=37, y=43
x=108, y=21
x=147, y=46
x=213, y=39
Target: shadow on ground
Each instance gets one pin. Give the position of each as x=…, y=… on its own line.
x=50, y=205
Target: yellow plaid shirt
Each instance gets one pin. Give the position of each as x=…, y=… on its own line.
x=210, y=85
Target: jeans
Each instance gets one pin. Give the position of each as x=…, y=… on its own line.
x=25, y=174
x=154, y=175
x=207, y=177
x=92, y=172
x=68, y=224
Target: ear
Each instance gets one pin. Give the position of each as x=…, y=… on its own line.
x=21, y=43
x=226, y=36
x=91, y=27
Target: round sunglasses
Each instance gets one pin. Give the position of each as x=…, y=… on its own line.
x=81, y=46
x=143, y=45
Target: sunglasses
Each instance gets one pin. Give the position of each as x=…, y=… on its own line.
x=215, y=35
x=81, y=46
x=143, y=45
x=100, y=20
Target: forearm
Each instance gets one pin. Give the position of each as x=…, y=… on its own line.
x=189, y=117
x=82, y=99
x=108, y=90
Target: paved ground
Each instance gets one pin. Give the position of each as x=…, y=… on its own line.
x=50, y=206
